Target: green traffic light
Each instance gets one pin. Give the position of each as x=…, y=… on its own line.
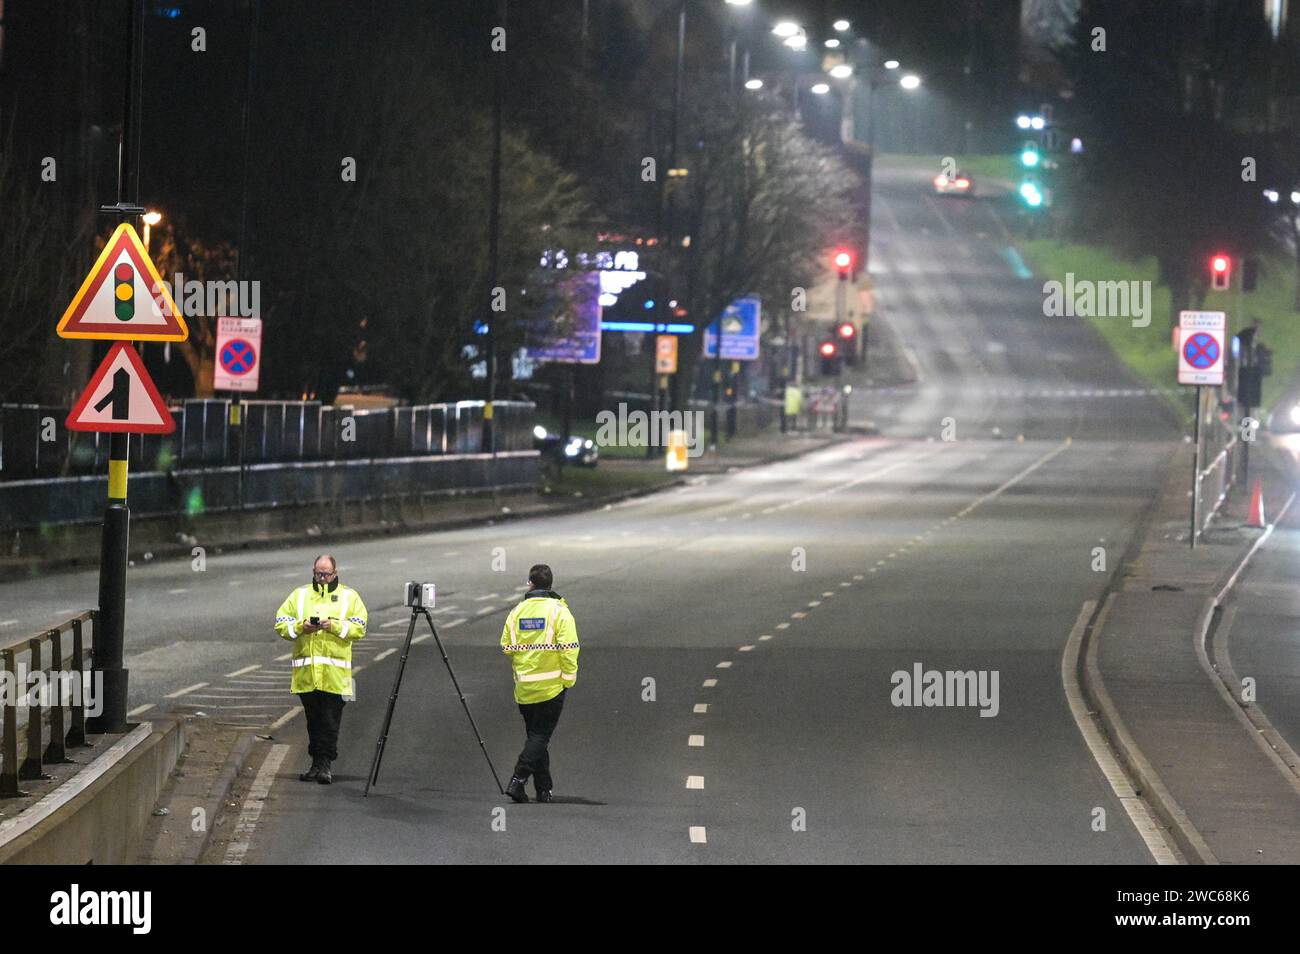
x=1029, y=158
x=1032, y=195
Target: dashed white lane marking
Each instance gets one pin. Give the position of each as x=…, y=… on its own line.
x=813, y=603
x=1136, y=808
x=725, y=664
x=698, y=836
x=745, y=649
x=858, y=576
x=233, y=692
x=397, y=560
x=235, y=583
x=798, y=615
x=178, y=591
x=451, y=553
x=207, y=705
x=701, y=707
x=180, y=692
x=846, y=583
x=696, y=741
x=243, y=672
x=386, y=653
x=394, y=623
x=454, y=623
x=765, y=637
x=285, y=719
x=140, y=709
x=880, y=563
x=285, y=658
x=485, y=610
x=911, y=461
x=782, y=625
x=252, y=810
x=421, y=638
x=710, y=683
x=490, y=596
x=695, y=781
x=8, y=622
x=290, y=576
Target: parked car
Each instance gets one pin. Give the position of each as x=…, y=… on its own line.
x=579, y=450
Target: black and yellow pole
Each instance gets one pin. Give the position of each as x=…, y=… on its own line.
x=110, y=630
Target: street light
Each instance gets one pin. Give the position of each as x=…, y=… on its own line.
x=910, y=81
x=150, y=220
x=754, y=83
x=891, y=64
x=1037, y=122
x=832, y=44
x=798, y=42
x=841, y=26
x=841, y=71
x=785, y=28
x=740, y=3
x=1295, y=198
x=1023, y=122
x=821, y=89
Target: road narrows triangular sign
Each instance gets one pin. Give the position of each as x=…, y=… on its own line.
x=123, y=297
x=121, y=397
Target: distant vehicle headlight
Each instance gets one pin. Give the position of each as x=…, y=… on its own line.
x=539, y=432
x=573, y=448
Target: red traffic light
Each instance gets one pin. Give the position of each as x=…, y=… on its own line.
x=1220, y=272
x=843, y=260
x=847, y=330
x=827, y=349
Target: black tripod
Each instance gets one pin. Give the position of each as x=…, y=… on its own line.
x=392, y=701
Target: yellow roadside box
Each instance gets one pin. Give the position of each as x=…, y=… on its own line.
x=676, y=457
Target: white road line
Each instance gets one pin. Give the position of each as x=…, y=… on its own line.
x=782, y=625
x=285, y=719
x=858, y=576
x=798, y=615
x=695, y=781
x=386, y=653
x=701, y=707
x=725, y=664
x=710, y=683
x=419, y=639
x=8, y=622
x=864, y=478
x=293, y=575
x=1138, y=812
x=830, y=592
x=698, y=836
x=285, y=658
x=204, y=705
x=846, y=583
x=490, y=596
x=452, y=553
x=745, y=649
x=258, y=792
x=1017, y=478
x=140, y=709
x=765, y=637
x=814, y=603
x=696, y=741
x=243, y=672
x=397, y=560
x=485, y=610
x=180, y=692
x=235, y=583
x=178, y=590
x=454, y=623
x=392, y=623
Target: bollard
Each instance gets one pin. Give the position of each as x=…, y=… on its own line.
x=31, y=767
x=55, y=752
x=9, y=739
x=77, y=712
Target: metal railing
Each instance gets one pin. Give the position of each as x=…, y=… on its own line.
x=23, y=756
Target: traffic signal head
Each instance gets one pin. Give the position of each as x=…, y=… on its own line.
x=1220, y=272
x=1032, y=195
x=1029, y=156
x=843, y=261
x=124, y=292
x=846, y=330
x=827, y=349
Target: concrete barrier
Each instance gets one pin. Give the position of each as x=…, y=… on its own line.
x=98, y=815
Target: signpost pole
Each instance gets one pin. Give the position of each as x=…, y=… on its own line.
x=1196, y=467
x=111, y=630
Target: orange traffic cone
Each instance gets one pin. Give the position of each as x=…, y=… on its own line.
x=1256, y=518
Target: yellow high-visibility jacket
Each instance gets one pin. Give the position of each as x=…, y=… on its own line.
x=541, y=639
x=323, y=659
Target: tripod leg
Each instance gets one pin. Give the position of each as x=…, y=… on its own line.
x=373, y=777
x=483, y=746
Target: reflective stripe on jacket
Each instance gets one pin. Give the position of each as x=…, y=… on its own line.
x=541, y=639
x=323, y=659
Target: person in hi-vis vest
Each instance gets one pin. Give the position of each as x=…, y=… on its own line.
x=322, y=619
x=541, y=640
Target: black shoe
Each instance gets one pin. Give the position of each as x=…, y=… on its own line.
x=516, y=789
x=312, y=773
x=324, y=776
x=544, y=795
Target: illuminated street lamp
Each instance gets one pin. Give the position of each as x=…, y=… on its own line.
x=754, y=83
x=821, y=89
x=150, y=220
x=910, y=81
x=785, y=28
x=841, y=26
x=841, y=71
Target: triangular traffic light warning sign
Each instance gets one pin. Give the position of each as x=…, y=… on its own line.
x=121, y=397
x=123, y=297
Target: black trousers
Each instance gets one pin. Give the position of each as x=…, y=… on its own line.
x=324, y=713
x=540, y=719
